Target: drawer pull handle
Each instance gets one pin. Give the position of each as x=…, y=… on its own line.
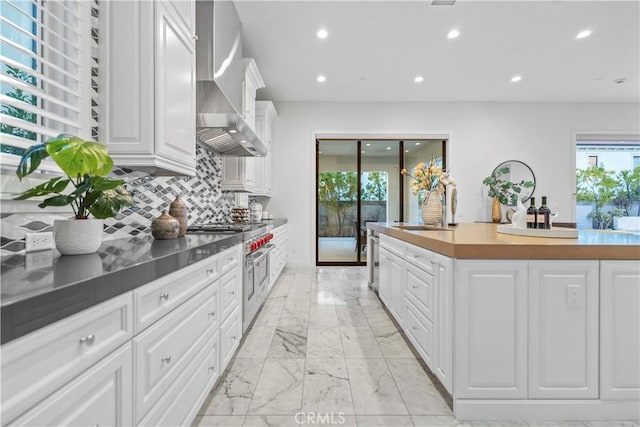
x=195, y=37
x=232, y=292
x=212, y=368
x=88, y=339
x=166, y=359
x=209, y=271
x=164, y=295
x=233, y=338
x=414, y=328
x=212, y=313
x=414, y=286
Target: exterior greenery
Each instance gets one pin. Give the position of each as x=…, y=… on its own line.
x=337, y=201
x=85, y=164
x=600, y=186
x=506, y=191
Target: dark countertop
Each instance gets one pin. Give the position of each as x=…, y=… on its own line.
x=42, y=287
x=482, y=241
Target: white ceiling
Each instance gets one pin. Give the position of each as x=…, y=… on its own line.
x=376, y=48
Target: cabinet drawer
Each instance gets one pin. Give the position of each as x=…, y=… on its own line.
x=393, y=245
x=230, y=285
x=277, y=232
x=230, y=258
x=39, y=363
x=159, y=297
x=179, y=405
x=163, y=350
x=419, y=329
x=420, y=257
x=230, y=335
x=100, y=396
x=420, y=287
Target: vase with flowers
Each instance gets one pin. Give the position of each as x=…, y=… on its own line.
x=430, y=180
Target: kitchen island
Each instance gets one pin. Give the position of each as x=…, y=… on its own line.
x=515, y=327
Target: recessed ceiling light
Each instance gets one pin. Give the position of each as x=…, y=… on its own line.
x=322, y=33
x=406, y=151
x=583, y=34
x=321, y=78
x=388, y=148
x=418, y=79
x=516, y=79
x=362, y=151
x=368, y=144
x=453, y=34
x=243, y=141
x=417, y=143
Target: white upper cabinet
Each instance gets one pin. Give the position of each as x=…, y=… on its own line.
x=265, y=115
x=251, y=83
x=147, y=85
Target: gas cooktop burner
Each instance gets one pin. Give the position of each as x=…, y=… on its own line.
x=220, y=227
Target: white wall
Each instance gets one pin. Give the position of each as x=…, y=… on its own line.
x=481, y=136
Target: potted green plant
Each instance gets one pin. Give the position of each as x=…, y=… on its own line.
x=85, y=164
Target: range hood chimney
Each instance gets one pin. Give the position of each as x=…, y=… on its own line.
x=219, y=74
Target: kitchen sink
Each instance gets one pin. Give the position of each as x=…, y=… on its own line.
x=421, y=227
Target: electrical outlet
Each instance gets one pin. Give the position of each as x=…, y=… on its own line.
x=573, y=295
x=38, y=241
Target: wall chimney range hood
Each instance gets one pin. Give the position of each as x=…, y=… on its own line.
x=220, y=74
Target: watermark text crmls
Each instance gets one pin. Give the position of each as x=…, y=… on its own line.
x=319, y=418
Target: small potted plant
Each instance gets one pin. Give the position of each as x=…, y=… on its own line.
x=85, y=164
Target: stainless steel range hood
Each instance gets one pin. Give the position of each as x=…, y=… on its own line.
x=219, y=73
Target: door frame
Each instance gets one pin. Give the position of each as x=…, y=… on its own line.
x=359, y=136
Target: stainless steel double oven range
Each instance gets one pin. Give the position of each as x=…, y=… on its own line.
x=255, y=266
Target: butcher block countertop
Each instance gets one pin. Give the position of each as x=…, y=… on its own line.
x=482, y=241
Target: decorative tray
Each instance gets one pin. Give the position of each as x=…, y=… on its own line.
x=559, y=233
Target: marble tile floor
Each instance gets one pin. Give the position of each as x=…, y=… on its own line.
x=323, y=351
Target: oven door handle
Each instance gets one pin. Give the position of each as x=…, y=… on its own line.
x=267, y=248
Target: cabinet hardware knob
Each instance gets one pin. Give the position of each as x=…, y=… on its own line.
x=195, y=37
x=212, y=313
x=164, y=295
x=414, y=286
x=88, y=339
x=233, y=338
x=212, y=368
x=414, y=328
x=209, y=271
x=233, y=292
x=166, y=359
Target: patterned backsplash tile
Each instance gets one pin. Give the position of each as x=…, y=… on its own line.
x=202, y=194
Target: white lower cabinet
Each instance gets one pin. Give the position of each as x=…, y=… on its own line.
x=162, y=352
x=38, y=364
x=443, y=318
x=619, y=330
x=230, y=334
x=416, y=285
x=94, y=368
x=101, y=396
x=391, y=288
x=490, y=329
x=179, y=405
x=278, y=256
x=563, y=329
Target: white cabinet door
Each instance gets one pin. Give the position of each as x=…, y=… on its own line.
x=238, y=174
x=147, y=85
x=230, y=335
x=490, y=329
x=175, y=90
x=563, y=329
x=443, y=320
x=101, y=396
x=384, y=287
x=265, y=115
x=620, y=330
x=396, y=278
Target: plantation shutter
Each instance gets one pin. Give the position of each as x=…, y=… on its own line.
x=44, y=75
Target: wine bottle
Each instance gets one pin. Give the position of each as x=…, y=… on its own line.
x=543, y=214
x=532, y=214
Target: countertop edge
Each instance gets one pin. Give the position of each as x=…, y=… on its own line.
x=492, y=250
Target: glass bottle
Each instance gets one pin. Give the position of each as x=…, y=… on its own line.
x=543, y=215
x=532, y=214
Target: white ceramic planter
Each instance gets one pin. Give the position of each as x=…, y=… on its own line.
x=77, y=236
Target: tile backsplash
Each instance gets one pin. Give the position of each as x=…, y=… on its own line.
x=202, y=194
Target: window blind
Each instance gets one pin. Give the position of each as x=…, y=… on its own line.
x=44, y=78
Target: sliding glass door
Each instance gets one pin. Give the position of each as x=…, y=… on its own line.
x=359, y=181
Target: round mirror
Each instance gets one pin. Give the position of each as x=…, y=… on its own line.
x=513, y=179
